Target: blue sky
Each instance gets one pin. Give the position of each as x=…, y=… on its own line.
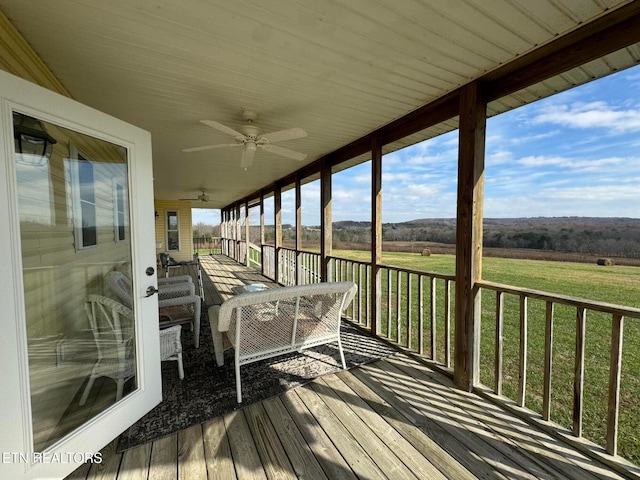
x=576, y=153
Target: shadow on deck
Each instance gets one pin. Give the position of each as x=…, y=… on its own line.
x=395, y=418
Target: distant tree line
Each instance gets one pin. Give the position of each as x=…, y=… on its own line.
x=615, y=237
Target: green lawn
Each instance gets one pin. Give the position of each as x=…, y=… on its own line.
x=616, y=284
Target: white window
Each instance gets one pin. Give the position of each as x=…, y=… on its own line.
x=173, y=231
x=83, y=200
x=119, y=209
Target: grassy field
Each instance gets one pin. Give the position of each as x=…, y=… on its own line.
x=616, y=284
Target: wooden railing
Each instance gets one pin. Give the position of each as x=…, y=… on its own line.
x=269, y=261
x=416, y=313
x=415, y=306
x=211, y=245
x=551, y=309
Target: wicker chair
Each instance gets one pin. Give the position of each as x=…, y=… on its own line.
x=112, y=327
x=171, y=347
x=268, y=323
x=178, y=302
x=167, y=262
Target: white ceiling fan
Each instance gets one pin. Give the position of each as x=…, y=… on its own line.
x=203, y=197
x=249, y=137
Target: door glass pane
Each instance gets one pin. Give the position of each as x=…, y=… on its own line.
x=79, y=329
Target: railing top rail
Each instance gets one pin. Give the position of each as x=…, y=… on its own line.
x=441, y=276
x=629, y=312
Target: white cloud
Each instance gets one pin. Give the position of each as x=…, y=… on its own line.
x=583, y=165
x=597, y=114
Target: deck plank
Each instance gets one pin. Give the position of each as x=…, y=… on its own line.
x=557, y=457
x=328, y=455
x=243, y=449
x=217, y=450
x=300, y=454
x=356, y=456
x=392, y=439
x=382, y=455
x=164, y=458
x=274, y=458
x=135, y=463
x=438, y=432
x=444, y=400
x=424, y=444
x=191, y=462
x=108, y=468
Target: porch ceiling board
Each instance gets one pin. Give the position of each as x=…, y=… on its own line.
x=339, y=69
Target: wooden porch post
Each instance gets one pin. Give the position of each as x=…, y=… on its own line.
x=298, y=227
x=376, y=233
x=223, y=231
x=238, y=231
x=473, y=109
x=277, y=208
x=246, y=228
x=262, y=230
x=326, y=227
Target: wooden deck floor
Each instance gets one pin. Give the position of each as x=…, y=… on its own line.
x=395, y=418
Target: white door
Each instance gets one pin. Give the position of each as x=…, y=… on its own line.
x=74, y=374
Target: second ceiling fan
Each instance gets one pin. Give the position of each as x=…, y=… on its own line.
x=250, y=137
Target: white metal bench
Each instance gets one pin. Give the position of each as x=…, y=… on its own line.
x=272, y=322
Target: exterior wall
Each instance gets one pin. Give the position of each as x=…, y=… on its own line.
x=186, y=235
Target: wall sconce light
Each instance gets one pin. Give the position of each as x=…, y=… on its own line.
x=33, y=143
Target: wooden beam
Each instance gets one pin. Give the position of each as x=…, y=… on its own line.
x=277, y=210
x=473, y=109
x=376, y=234
x=298, y=227
x=326, y=227
x=238, y=230
x=607, y=34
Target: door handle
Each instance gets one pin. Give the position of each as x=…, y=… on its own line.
x=151, y=290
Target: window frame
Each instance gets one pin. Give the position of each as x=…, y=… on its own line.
x=167, y=214
x=80, y=233
x=119, y=211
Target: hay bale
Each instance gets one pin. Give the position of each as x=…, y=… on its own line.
x=607, y=262
x=426, y=252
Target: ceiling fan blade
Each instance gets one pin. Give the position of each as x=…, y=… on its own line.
x=222, y=128
x=210, y=147
x=247, y=157
x=285, y=152
x=282, y=135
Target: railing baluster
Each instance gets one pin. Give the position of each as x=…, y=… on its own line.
x=389, y=303
x=447, y=323
x=367, y=297
x=420, y=315
x=548, y=362
x=433, y=317
x=408, y=312
x=398, y=297
x=359, y=293
x=613, y=407
x=499, y=341
x=578, y=381
x=522, y=387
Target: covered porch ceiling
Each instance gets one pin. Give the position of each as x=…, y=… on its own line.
x=338, y=69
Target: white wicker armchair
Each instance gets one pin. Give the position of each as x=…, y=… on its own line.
x=177, y=301
x=171, y=346
x=268, y=323
x=112, y=327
